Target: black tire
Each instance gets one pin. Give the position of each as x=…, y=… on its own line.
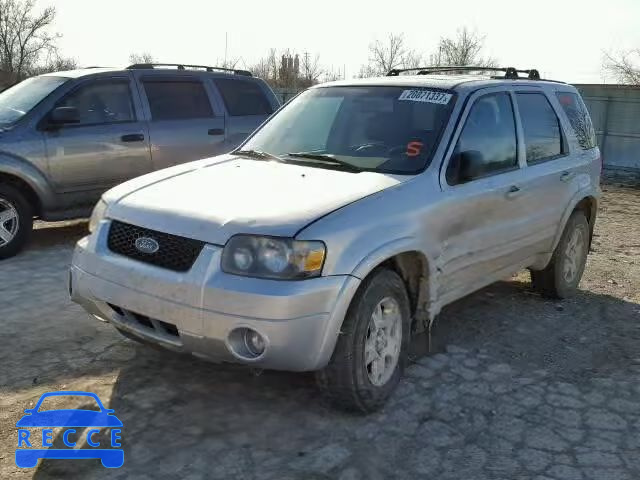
x=345, y=380
x=16, y=199
x=551, y=281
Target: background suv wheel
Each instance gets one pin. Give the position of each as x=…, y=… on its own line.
x=16, y=220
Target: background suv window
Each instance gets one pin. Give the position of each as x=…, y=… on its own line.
x=579, y=118
x=243, y=98
x=542, y=136
x=102, y=102
x=177, y=100
x=487, y=144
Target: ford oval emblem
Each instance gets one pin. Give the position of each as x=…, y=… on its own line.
x=147, y=245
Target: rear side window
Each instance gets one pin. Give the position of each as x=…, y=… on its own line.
x=177, y=100
x=579, y=118
x=487, y=144
x=541, y=127
x=243, y=98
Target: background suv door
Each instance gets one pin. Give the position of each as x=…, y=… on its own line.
x=484, y=230
x=183, y=124
x=108, y=146
x=247, y=107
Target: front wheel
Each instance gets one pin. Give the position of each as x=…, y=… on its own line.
x=16, y=220
x=561, y=277
x=371, y=351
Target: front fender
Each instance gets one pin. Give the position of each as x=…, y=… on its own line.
x=31, y=175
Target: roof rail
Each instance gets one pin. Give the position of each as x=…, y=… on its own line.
x=509, y=72
x=184, y=66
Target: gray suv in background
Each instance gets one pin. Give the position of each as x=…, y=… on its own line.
x=67, y=137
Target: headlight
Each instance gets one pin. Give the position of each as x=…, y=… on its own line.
x=98, y=214
x=273, y=257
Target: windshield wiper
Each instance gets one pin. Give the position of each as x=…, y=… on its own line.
x=325, y=159
x=259, y=154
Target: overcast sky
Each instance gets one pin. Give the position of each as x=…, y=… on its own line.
x=564, y=39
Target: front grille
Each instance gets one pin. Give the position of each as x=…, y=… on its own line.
x=174, y=252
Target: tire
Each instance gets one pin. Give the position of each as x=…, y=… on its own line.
x=17, y=229
x=348, y=381
x=561, y=277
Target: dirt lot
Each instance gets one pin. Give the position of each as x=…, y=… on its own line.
x=518, y=387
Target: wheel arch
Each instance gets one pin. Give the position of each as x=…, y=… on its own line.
x=28, y=179
x=416, y=270
x=585, y=202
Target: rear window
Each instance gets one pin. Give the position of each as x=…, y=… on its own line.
x=542, y=136
x=243, y=98
x=177, y=100
x=579, y=118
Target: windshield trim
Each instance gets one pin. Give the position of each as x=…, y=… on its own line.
x=428, y=161
x=29, y=112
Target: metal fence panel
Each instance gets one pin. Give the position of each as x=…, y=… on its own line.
x=615, y=110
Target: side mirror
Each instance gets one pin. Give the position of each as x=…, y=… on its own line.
x=471, y=165
x=64, y=116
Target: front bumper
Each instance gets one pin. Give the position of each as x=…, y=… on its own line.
x=197, y=311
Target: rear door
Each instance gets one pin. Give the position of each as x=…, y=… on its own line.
x=183, y=123
x=549, y=179
x=108, y=146
x=247, y=103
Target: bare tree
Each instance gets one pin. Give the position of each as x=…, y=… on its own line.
x=54, y=63
x=24, y=36
x=144, y=57
x=310, y=69
x=387, y=55
x=624, y=66
x=464, y=49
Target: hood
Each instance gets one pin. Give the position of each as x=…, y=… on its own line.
x=216, y=199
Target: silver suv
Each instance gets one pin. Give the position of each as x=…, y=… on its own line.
x=67, y=137
x=336, y=233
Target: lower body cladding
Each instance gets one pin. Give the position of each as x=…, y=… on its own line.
x=280, y=325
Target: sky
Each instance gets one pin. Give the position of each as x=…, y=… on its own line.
x=564, y=39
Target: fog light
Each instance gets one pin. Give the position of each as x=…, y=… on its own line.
x=254, y=342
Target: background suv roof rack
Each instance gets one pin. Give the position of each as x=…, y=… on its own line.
x=184, y=66
x=509, y=72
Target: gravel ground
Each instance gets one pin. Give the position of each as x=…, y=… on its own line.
x=517, y=387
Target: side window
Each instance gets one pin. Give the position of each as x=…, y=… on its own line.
x=177, y=99
x=243, y=97
x=542, y=137
x=487, y=144
x=579, y=118
x=102, y=101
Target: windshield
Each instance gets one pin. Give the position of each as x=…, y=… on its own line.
x=16, y=101
x=378, y=128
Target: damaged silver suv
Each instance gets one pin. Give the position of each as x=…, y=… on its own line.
x=337, y=232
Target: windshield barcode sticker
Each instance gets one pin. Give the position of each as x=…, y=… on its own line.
x=426, y=96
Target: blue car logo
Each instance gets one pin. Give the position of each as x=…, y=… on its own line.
x=27, y=453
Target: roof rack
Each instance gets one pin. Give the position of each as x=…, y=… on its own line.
x=184, y=66
x=509, y=72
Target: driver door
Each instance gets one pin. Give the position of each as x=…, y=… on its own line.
x=485, y=231
x=109, y=144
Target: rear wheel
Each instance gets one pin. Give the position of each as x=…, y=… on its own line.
x=16, y=220
x=371, y=352
x=561, y=277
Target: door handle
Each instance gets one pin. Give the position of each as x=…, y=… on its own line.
x=132, y=137
x=513, y=191
x=215, y=131
x=566, y=176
